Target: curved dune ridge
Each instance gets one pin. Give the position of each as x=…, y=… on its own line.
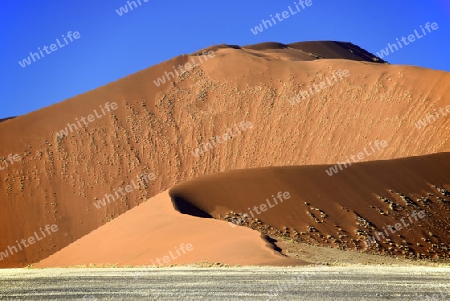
x=158, y=128
x=307, y=51
x=146, y=234
x=345, y=211
x=301, y=203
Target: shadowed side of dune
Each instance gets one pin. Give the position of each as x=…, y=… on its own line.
x=345, y=210
x=8, y=118
x=271, y=242
x=266, y=46
x=215, y=48
x=184, y=206
x=337, y=50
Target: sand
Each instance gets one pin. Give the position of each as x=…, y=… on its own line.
x=155, y=129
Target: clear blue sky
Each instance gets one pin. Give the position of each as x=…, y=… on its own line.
x=112, y=46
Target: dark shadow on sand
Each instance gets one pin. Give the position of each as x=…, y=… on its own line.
x=182, y=205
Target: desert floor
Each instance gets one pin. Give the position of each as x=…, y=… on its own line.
x=244, y=283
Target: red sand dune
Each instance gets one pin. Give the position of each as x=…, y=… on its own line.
x=155, y=129
x=344, y=209
x=342, y=204
x=154, y=230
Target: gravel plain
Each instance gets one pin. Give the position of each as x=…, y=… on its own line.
x=246, y=283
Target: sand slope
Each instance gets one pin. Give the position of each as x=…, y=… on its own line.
x=155, y=129
x=340, y=211
x=154, y=230
x=350, y=204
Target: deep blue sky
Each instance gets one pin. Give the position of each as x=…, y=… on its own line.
x=113, y=46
